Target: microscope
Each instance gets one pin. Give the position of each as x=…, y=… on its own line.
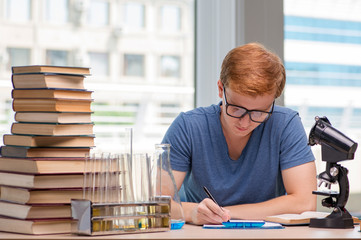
x=335, y=147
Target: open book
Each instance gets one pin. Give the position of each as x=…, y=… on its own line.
x=290, y=219
x=298, y=219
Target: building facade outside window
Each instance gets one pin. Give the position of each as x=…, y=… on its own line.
x=120, y=41
x=18, y=10
x=134, y=16
x=18, y=56
x=323, y=67
x=57, y=57
x=99, y=63
x=134, y=65
x=98, y=13
x=56, y=11
x=171, y=20
x=170, y=66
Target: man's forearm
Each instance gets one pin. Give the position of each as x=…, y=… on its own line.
x=279, y=205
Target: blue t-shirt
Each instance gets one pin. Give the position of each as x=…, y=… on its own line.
x=199, y=148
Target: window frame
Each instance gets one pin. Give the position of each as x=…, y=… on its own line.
x=223, y=25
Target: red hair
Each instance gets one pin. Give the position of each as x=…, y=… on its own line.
x=253, y=70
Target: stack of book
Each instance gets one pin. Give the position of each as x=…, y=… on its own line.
x=42, y=160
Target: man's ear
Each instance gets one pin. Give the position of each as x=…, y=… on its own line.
x=220, y=88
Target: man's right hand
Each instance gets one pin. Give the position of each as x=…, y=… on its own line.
x=208, y=212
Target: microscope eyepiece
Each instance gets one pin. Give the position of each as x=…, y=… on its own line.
x=323, y=133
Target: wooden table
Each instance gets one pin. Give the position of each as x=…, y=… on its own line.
x=197, y=232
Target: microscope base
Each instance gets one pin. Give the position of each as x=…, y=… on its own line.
x=331, y=223
x=337, y=219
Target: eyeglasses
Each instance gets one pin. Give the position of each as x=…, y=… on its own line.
x=239, y=112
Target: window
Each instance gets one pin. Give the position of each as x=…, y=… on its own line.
x=322, y=49
x=169, y=110
x=134, y=65
x=98, y=14
x=99, y=63
x=56, y=11
x=134, y=16
x=57, y=57
x=18, y=57
x=18, y=10
x=122, y=114
x=170, y=18
x=170, y=66
x=135, y=70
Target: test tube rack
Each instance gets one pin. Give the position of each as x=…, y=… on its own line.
x=119, y=218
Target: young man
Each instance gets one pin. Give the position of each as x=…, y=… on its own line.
x=251, y=154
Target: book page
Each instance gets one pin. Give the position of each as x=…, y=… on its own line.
x=304, y=215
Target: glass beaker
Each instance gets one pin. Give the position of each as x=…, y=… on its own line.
x=163, y=183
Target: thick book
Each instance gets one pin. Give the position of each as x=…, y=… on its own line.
x=53, y=117
x=50, y=69
x=51, y=93
x=51, y=105
x=48, y=81
x=42, y=165
x=39, y=196
x=45, y=152
x=28, y=211
x=41, y=181
x=53, y=196
x=52, y=129
x=48, y=141
x=35, y=227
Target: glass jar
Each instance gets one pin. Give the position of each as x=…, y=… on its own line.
x=163, y=183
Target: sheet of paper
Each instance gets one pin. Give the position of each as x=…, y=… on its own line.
x=244, y=224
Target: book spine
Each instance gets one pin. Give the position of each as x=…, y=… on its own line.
x=12, y=80
x=13, y=106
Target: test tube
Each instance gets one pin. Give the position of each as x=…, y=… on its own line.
x=106, y=186
x=86, y=173
x=117, y=178
x=149, y=176
x=89, y=178
x=116, y=191
x=127, y=179
x=137, y=170
x=127, y=190
x=101, y=179
x=95, y=176
x=112, y=184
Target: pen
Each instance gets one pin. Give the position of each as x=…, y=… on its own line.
x=211, y=197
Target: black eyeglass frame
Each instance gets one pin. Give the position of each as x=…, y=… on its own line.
x=246, y=110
